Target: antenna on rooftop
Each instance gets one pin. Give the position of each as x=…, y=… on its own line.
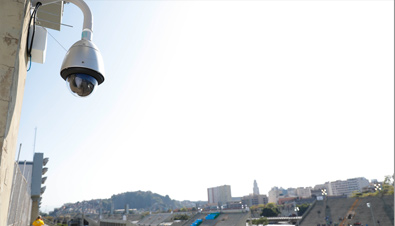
x=35, y=135
x=19, y=152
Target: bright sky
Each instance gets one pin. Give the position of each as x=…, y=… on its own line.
x=200, y=94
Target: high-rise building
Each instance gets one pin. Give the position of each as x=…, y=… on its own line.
x=357, y=184
x=275, y=193
x=221, y=194
x=256, y=189
x=346, y=187
x=338, y=187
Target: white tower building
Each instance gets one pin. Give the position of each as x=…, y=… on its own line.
x=256, y=189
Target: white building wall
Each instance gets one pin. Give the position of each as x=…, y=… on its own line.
x=219, y=194
x=339, y=187
x=210, y=195
x=346, y=187
x=357, y=184
x=274, y=194
x=303, y=192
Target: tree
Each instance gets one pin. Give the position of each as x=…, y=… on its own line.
x=181, y=217
x=261, y=206
x=387, y=189
x=255, y=211
x=388, y=180
x=302, y=208
x=270, y=205
x=270, y=210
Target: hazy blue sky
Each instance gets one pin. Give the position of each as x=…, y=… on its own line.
x=205, y=93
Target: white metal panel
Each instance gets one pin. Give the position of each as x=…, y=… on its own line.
x=39, y=47
x=50, y=16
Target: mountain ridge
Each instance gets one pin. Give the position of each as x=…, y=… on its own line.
x=136, y=200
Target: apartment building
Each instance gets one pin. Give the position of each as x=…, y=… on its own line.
x=221, y=194
x=253, y=200
x=346, y=187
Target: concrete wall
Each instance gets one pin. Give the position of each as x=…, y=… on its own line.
x=35, y=211
x=14, y=16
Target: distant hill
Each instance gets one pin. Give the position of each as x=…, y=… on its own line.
x=140, y=200
x=144, y=200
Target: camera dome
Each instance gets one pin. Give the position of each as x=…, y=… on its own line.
x=83, y=68
x=81, y=85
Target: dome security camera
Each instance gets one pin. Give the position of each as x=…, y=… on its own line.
x=83, y=68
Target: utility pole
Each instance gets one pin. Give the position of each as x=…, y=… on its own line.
x=371, y=211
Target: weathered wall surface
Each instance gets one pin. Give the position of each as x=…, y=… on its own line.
x=14, y=18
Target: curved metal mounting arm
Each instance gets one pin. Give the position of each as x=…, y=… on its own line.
x=87, y=28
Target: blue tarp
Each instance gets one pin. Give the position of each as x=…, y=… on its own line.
x=197, y=222
x=212, y=216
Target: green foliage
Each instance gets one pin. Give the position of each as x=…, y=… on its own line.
x=253, y=208
x=261, y=205
x=144, y=214
x=271, y=205
x=181, y=217
x=356, y=194
x=302, y=208
x=262, y=220
x=387, y=189
x=270, y=210
x=257, y=207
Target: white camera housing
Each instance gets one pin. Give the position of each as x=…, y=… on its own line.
x=82, y=63
x=82, y=67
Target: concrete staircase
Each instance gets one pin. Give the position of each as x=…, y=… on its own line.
x=346, y=211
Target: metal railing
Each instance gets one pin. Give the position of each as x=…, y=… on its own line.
x=20, y=201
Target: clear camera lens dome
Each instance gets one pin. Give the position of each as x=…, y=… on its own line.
x=81, y=85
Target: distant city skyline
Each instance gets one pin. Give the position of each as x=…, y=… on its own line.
x=215, y=191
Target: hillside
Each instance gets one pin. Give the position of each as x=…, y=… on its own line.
x=140, y=200
x=144, y=200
